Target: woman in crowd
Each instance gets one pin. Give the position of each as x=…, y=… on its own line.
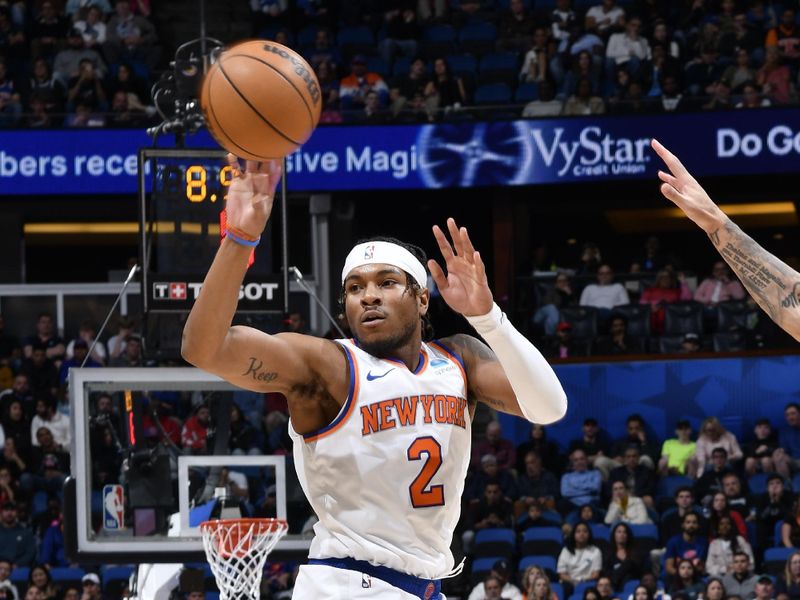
x=688, y=581
x=714, y=590
x=788, y=582
x=622, y=563
x=642, y=592
x=40, y=578
x=625, y=507
x=548, y=314
x=666, y=290
x=449, y=88
x=714, y=435
x=725, y=544
x=790, y=529
x=580, y=560
x=536, y=585
x=721, y=510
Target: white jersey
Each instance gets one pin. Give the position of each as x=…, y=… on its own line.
x=386, y=476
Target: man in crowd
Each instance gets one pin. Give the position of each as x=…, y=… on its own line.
x=688, y=545
x=582, y=485
x=672, y=522
x=494, y=444
x=740, y=582
x=16, y=539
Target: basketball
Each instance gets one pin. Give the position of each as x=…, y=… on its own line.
x=261, y=100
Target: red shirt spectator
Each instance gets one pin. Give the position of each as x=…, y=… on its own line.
x=664, y=291
x=195, y=430
x=786, y=36
x=494, y=444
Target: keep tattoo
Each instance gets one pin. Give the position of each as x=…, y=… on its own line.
x=256, y=370
x=792, y=300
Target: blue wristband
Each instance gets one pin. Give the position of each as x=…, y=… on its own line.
x=242, y=242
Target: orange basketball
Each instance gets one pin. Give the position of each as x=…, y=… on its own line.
x=261, y=100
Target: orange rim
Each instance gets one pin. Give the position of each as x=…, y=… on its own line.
x=273, y=524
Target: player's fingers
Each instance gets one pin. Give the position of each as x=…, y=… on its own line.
x=675, y=165
x=454, y=234
x=437, y=274
x=444, y=245
x=667, y=178
x=233, y=163
x=673, y=195
x=478, y=261
x=466, y=243
x=252, y=166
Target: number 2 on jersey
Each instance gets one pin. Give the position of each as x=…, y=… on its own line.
x=434, y=496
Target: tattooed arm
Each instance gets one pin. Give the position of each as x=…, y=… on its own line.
x=772, y=283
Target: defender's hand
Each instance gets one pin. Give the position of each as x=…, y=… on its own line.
x=251, y=194
x=682, y=189
x=465, y=287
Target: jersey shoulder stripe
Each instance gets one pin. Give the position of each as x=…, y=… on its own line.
x=453, y=356
x=347, y=409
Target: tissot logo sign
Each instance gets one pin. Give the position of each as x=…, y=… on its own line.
x=457, y=154
x=179, y=294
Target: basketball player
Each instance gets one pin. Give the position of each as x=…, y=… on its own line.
x=380, y=423
x=773, y=284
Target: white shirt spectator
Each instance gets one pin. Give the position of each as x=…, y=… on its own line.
x=635, y=513
x=720, y=555
x=99, y=352
x=509, y=592
x=58, y=426
x=543, y=108
x=622, y=47
x=580, y=565
x=603, y=19
x=604, y=296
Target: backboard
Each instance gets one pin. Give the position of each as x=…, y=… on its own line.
x=137, y=497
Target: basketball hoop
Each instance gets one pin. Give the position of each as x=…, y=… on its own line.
x=237, y=550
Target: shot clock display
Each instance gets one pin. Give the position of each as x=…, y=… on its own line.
x=180, y=230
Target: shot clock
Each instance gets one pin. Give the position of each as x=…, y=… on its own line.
x=181, y=195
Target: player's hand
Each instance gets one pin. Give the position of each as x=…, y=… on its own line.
x=465, y=287
x=251, y=194
x=682, y=189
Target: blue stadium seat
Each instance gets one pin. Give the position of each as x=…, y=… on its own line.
x=20, y=575
x=495, y=542
x=477, y=38
x=38, y=503
x=307, y=35
x=461, y=63
x=377, y=65
x=543, y=533
x=647, y=530
x=667, y=485
x=212, y=595
x=542, y=541
x=600, y=531
x=758, y=483
x=628, y=589
x=109, y=574
x=548, y=563
x=775, y=559
x=353, y=40
x=557, y=589
x=401, y=66
x=776, y=534
x=796, y=482
x=527, y=92
x=67, y=573
x=440, y=33
x=499, y=61
x=482, y=566
x=496, y=534
x=493, y=93
x=583, y=586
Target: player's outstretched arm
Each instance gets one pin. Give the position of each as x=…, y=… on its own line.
x=246, y=356
x=509, y=374
x=771, y=282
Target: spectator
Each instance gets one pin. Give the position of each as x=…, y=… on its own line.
x=125, y=80
x=763, y=453
x=43, y=86
x=492, y=510
x=787, y=584
x=789, y=434
x=355, y=88
x=628, y=49
x=79, y=351
x=671, y=520
x=672, y=99
x=14, y=43
x=195, y=430
x=582, y=485
x=20, y=391
x=665, y=290
x=74, y=8
x=86, y=89
x=404, y=89
x=604, y=295
x=92, y=29
x=44, y=334
x=545, y=106
x=642, y=592
x=703, y=70
x=637, y=477
x=132, y=356
x=49, y=466
x=786, y=38
x=130, y=38
x=710, y=481
x=8, y=485
x=329, y=86
x=739, y=581
x=622, y=562
x=501, y=588
x=737, y=499
x=49, y=418
x=448, y=89
x=790, y=530
x=720, y=287
x=488, y=472
x=690, y=344
x=595, y=445
x=751, y=97
x=243, y=436
x=719, y=509
x=738, y=75
x=560, y=295
x=580, y=560
x=605, y=18
x=534, y=64
x=48, y=32
x=17, y=428
x=583, y=102
x=724, y=551
x=41, y=372
x=116, y=343
x=676, y=454
x=516, y=28
x=687, y=582
x=713, y=435
x=618, y=342
x=39, y=577
x=91, y=587
x=582, y=68
x=720, y=98
x=591, y=260
x=323, y=50
x=536, y=485
x=67, y=64
x=124, y=113
x=775, y=78
x=624, y=507
x=714, y=590
x=536, y=585
x=562, y=21
x=605, y=591
x=636, y=435
x=562, y=345
x=496, y=445
x=84, y=116
x=765, y=589
x=16, y=539
x=546, y=449
x=5, y=582
x=771, y=507
x=688, y=545
x=86, y=332
x=402, y=31
x=535, y=517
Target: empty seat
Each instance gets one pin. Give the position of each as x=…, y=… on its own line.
x=670, y=344
x=732, y=315
x=583, y=320
x=438, y=40
x=646, y=530
x=477, y=38
x=355, y=40
x=667, y=486
x=493, y=93
x=375, y=64
x=495, y=542
x=542, y=541
x=730, y=341
x=683, y=317
x=527, y=92
x=775, y=559
x=461, y=64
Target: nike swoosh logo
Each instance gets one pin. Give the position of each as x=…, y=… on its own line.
x=371, y=377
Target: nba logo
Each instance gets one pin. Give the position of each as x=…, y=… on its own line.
x=113, y=507
x=369, y=252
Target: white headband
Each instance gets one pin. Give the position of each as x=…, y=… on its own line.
x=388, y=253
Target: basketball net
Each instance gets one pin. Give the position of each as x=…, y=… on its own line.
x=237, y=551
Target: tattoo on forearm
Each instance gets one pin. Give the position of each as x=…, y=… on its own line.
x=493, y=402
x=764, y=275
x=258, y=373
